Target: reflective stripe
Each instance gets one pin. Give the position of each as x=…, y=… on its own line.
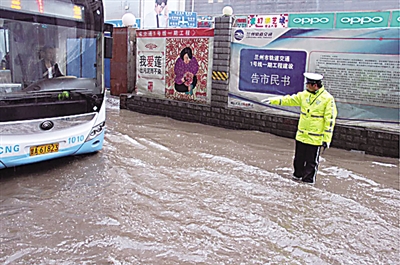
x=332, y=115
x=328, y=131
x=315, y=134
x=316, y=162
x=316, y=116
x=304, y=113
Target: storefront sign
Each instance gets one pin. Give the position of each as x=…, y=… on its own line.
x=321, y=21
x=268, y=21
x=395, y=22
x=362, y=20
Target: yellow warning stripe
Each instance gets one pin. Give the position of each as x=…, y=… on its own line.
x=217, y=75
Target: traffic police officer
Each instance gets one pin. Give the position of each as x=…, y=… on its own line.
x=317, y=120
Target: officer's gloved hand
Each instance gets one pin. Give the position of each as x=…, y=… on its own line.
x=325, y=145
x=266, y=101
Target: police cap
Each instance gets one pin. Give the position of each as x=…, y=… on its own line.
x=313, y=78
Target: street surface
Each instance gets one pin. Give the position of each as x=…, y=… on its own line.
x=170, y=192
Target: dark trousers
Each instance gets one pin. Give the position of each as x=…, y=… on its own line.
x=306, y=159
x=183, y=88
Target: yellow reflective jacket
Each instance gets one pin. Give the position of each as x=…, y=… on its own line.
x=317, y=118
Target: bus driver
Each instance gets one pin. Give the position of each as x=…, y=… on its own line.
x=48, y=67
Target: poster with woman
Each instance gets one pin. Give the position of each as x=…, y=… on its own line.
x=175, y=64
x=187, y=69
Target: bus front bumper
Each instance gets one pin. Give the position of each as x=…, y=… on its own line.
x=91, y=146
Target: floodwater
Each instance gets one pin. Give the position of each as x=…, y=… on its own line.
x=169, y=192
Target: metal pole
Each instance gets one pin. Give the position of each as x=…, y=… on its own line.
x=192, y=6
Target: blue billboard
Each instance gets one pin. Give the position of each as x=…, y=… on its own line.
x=272, y=71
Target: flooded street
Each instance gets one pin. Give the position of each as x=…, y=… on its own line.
x=169, y=192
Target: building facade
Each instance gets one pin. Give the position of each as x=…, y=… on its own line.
x=115, y=9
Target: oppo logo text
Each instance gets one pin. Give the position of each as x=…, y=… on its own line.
x=310, y=20
x=360, y=20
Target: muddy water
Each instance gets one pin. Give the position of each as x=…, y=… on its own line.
x=169, y=192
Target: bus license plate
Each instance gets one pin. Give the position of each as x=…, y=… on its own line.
x=43, y=149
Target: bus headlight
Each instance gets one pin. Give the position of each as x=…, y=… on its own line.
x=96, y=131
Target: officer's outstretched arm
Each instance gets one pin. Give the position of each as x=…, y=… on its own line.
x=293, y=100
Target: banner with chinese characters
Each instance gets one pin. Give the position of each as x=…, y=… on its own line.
x=268, y=21
x=354, y=63
x=271, y=71
x=175, y=64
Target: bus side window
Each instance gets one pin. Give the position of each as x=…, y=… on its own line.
x=5, y=73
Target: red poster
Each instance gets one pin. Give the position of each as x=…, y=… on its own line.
x=186, y=67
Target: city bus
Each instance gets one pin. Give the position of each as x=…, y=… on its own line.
x=52, y=94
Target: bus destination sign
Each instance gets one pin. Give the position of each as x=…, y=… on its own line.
x=59, y=9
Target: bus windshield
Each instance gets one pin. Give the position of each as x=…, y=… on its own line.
x=40, y=58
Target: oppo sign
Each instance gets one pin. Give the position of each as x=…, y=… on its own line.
x=310, y=20
x=361, y=20
x=395, y=22
x=344, y=20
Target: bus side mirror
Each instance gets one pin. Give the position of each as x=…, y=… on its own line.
x=108, y=40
